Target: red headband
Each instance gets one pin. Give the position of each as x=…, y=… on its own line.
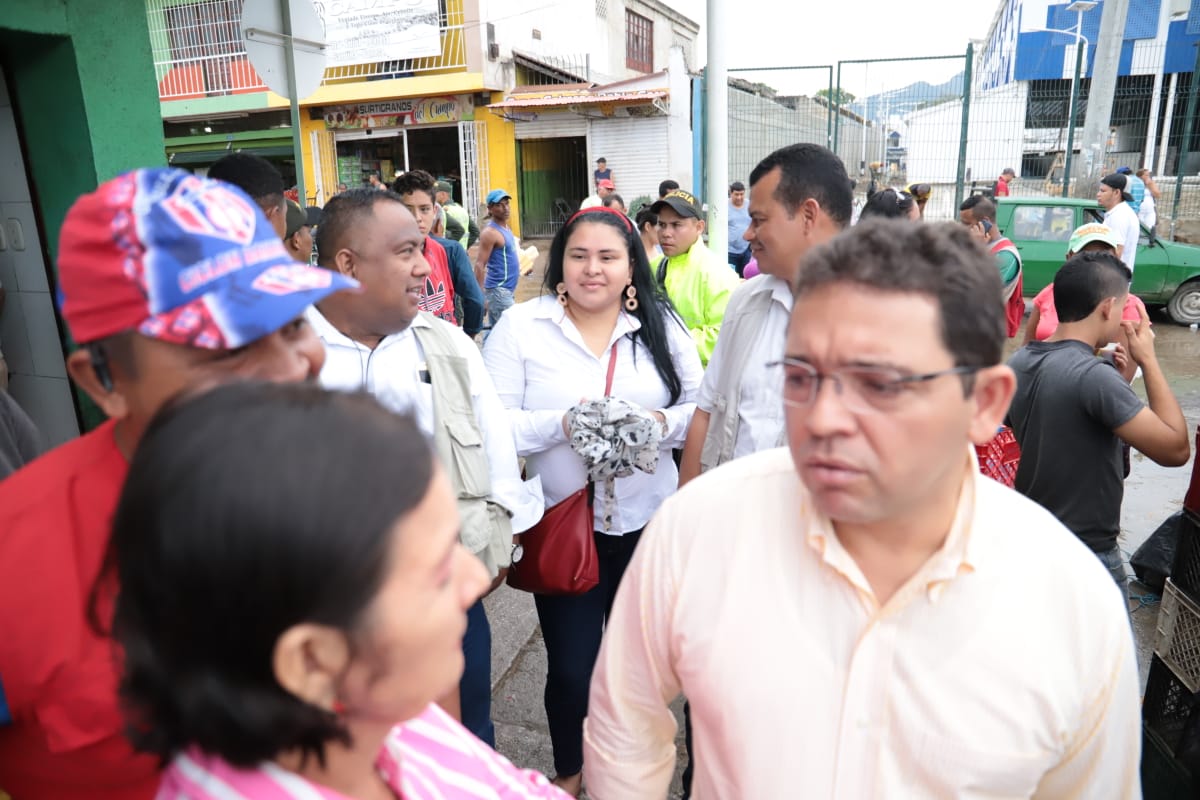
x=603, y=209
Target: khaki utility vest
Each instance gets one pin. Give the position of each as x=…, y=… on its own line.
x=486, y=527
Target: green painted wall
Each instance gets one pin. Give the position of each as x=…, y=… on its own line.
x=83, y=87
x=86, y=100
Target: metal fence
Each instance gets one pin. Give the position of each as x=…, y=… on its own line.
x=764, y=115
x=949, y=121
x=199, y=51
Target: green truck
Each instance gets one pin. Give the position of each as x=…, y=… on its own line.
x=1166, y=274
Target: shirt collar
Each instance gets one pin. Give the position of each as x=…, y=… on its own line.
x=330, y=335
x=781, y=292
x=957, y=555
x=548, y=307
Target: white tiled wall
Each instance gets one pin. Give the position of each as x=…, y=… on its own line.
x=28, y=331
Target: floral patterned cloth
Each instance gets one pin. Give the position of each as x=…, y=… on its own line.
x=614, y=438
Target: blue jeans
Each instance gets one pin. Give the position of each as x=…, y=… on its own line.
x=572, y=626
x=1116, y=565
x=475, y=686
x=499, y=299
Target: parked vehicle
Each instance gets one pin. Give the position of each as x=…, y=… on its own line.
x=1166, y=273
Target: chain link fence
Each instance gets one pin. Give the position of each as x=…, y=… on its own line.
x=956, y=122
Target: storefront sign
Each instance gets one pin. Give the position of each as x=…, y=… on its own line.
x=370, y=31
x=395, y=113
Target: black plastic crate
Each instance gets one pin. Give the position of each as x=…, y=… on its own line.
x=1185, y=569
x=1163, y=778
x=1172, y=712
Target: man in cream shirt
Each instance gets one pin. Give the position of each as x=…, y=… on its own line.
x=858, y=614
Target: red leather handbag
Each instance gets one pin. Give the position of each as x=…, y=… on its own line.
x=558, y=555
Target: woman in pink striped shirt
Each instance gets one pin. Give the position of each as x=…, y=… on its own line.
x=292, y=585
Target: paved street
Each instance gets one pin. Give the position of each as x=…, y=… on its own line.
x=519, y=657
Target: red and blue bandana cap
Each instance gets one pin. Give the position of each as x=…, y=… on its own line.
x=180, y=259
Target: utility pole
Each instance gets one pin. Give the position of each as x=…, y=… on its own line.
x=1090, y=166
x=716, y=78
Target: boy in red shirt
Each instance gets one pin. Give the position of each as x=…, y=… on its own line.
x=171, y=284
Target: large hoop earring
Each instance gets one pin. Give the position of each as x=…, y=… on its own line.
x=561, y=291
x=631, y=301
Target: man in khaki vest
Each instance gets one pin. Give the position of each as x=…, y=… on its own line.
x=377, y=340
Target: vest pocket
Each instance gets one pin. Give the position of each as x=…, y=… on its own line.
x=468, y=468
x=468, y=461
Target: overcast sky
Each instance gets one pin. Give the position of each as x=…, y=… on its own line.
x=764, y=33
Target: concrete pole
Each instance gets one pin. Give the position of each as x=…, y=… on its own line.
x=1090, y=167
x=289, y=49
x=1160, y=40
x=717, y=157
x=1166, y=131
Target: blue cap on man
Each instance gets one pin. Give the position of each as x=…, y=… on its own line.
x=496, y=195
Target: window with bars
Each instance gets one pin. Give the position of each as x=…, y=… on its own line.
x=202, y=33
x=602, y=9
x=639, y=42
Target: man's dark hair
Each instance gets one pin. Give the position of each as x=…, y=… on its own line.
x=254, y=175
x=940, y=261
x=612, y=200
x=1086, y=281
x=809, y=171
x=220, y=553
x=666, y=187
x=341, y=214
x=416, y=180
x=979, y=206
x=737, y=186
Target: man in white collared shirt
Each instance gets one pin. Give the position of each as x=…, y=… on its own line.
x=414, y=363
x=799, y=198
x=838, y=601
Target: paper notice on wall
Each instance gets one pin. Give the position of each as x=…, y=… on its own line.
x=370, y=31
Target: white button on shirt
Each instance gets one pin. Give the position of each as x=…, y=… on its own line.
x=390, y=372
x=760, y=398
x=1004, y=668
x=541, y=368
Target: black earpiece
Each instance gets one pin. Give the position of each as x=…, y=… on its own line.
x=100, y=365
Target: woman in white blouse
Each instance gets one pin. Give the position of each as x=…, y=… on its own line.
x=545, y=356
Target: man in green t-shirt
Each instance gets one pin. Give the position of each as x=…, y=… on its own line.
x=459, y=225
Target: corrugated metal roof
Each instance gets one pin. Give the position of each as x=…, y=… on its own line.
x=577, y=98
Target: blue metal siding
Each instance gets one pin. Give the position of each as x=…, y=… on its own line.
x=1142, y=21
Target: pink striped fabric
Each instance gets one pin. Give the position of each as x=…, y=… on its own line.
x=430, y=757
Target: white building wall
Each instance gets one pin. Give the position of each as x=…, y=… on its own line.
x=995, y=138
x=577, y=28
x=679, y=120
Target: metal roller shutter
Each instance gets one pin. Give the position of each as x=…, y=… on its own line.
x=552, y=126
x=636, y=151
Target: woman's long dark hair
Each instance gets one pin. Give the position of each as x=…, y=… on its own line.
x=654, y=310
x=247, y=510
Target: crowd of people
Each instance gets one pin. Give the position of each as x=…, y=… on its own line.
x=263, y=576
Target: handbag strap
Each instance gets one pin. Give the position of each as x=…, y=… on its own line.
x=612, y=368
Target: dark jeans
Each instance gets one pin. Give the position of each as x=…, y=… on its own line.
x=475, y=687
x=572, y=626
x=739, y=260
